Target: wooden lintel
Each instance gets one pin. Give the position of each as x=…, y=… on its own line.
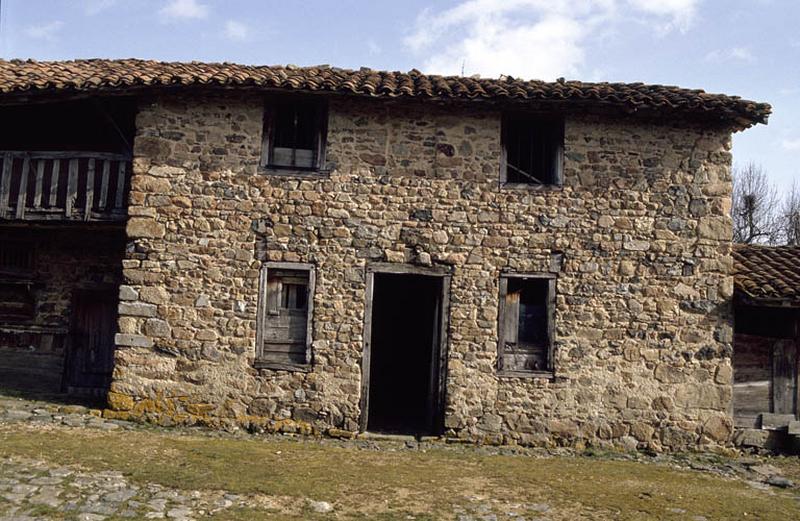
x=408, y=269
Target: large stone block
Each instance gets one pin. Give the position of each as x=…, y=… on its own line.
x=145, y=228
x=137, y=309
x=128, y=340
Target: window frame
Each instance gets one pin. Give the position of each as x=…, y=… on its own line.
x=555, y=119
x=551, y=279
x=261, y=361
x=320, y=105
x=21, y=276
x=28, y=251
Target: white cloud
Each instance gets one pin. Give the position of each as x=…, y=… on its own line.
x=530, y=38
x=791, y=144
x=679, y=13
x=93, y=7
x=741, y=54
x=45, y=31
x=236, y=31
x=373, y=48
x=183, y=9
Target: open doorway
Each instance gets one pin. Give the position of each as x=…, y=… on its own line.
x=404, y=383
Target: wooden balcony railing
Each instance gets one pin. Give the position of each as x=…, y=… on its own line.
x=63, y=186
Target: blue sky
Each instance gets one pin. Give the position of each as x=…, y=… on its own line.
x=749, y=48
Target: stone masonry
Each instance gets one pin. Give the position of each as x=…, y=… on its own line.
x=640, y=232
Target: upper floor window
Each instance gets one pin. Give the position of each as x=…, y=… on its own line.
x=285, y=311
x=294, y=133
x=533, y=149
x=526, y=327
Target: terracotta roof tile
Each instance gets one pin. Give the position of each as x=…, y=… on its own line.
x=30, y=77
x=768, y=272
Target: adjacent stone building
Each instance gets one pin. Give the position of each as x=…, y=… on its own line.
x=766, y=366
x=333, y=251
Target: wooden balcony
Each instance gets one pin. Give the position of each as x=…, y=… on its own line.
x=63, y=186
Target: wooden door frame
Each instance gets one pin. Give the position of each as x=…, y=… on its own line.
x=440, y=357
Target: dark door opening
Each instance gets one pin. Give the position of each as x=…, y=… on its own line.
x=404, y=378
x=90, y=356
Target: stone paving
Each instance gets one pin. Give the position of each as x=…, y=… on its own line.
x=32, y=489
x=37, y=490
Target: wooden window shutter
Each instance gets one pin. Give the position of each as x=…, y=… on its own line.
x=511, y=319
x=274, y=297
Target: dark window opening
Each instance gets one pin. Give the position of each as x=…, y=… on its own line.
x=533, y=150
x=294, y=296
x=17, y=298
x=404, y=371
x=294, y=134
x=16, y=258
x=526, y=324
x=285, y=322
x=770, y=322
x=17, y=301
x=98, y=125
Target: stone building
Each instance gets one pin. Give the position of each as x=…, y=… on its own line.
x=332, y=251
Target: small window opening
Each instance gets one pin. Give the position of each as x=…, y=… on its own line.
x=526, y=324
x=533, y=150
x=16, y=258
x=294, y=296
x=294, y=134
x=17, y=300
x=285, y=323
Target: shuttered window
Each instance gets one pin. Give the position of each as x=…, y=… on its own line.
x=526, y=324
x=533, y=149
x=285, y=311
x=294, y=133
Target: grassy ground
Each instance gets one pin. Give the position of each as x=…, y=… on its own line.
x=395, y=484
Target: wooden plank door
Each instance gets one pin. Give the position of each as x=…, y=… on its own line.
x=90, y=357
x=784, y=377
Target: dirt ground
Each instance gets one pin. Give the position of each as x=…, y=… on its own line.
x=63, y=462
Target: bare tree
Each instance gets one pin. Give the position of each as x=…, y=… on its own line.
x=790, y=216
x=755, y=209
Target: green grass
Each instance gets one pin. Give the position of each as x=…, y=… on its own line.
x=388, y=485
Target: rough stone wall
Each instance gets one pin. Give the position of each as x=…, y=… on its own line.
x=64, y=260
x=643, y=343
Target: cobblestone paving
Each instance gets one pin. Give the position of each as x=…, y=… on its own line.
x=32, y=489
x=35, y=490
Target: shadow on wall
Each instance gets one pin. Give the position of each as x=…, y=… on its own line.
x=59, y=289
